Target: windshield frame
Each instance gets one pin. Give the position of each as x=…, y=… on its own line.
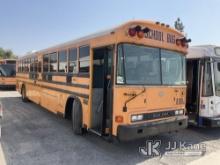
x=161, y=83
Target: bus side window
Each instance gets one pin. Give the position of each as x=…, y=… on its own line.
x=39, y=66
x=53, y=62
x=207, y=80
x=35, y=64
x=73, y=60
x=32, y=65
x=62, y=61
x=28, y=65
x=22, y=66
x=45, y=63
x=84, y=59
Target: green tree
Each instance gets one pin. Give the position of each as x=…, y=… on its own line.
x=179, y=25
x=6, y=54
x=1, y=53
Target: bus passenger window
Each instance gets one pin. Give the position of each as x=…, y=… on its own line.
x=73, y=60
x=84, y=59
x=45, y=63
x=62, y=61
x=207, y=80
x=26, y=67
x=35, y=65
x=39, y=66
x=32, y=65
x=28, y=64
x=22, y=67
x=53, y=62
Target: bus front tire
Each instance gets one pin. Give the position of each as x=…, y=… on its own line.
x=23, y=94
x=77, y=118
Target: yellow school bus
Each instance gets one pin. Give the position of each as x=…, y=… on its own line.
x=126, y=83
x=7, y=73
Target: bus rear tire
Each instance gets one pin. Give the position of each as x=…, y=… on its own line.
x=23, y=94
x=77, y=118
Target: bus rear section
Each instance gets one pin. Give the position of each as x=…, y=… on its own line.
x=7, y=76
x=203, y=96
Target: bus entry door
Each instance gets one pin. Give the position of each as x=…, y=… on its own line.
x=102, y=89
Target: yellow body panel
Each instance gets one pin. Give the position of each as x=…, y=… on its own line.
x=7, y=81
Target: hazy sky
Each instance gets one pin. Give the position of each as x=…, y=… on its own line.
x=27, y=25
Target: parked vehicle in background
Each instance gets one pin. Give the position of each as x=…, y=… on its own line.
x=203, y=93
x=7, y=73
x=127, y=82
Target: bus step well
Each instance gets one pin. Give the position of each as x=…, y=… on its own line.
x=94, y=131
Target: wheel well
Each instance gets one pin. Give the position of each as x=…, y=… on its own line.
x=68, y=108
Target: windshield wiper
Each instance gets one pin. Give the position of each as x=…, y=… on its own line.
x=133, y=96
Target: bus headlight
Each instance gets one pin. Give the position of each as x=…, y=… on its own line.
x=136, y=118
x=179, y=112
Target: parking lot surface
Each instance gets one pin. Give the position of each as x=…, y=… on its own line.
x=32, y=135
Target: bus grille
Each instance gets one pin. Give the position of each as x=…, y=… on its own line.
x=158, y=115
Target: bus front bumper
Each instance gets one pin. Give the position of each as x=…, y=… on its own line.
x=131, y=132
x=4, y=86
x=211, y=121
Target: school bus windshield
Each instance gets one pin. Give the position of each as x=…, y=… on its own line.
x=142, y=65
x=7, y=70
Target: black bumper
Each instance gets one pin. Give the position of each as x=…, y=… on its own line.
x=211, y=122
x=7, y=86
x=131, y=132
